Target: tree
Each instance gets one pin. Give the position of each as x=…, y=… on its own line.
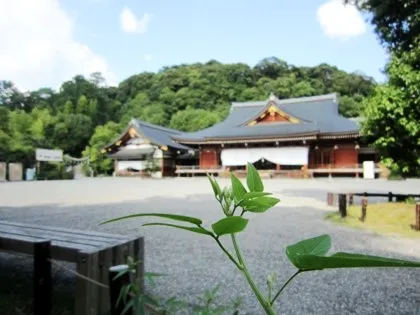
x=82, y=105
x=193, y=119
x=101, y=137
x=97, y=79
x=396, y=22
x=68, y=108
x=393, y=115
x=72, y=133
x=393, y=111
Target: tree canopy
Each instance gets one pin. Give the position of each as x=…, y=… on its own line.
x=393, y=111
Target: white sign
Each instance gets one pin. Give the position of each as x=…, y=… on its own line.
x=49, y=155
x=368, y=170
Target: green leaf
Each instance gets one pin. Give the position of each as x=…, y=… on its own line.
x=319, y=245
x=238, y=189
x=216, y=188
x=349, y=260
x=253, y=179
x=310, y=255
x=229, y=225
x=161, y=215
x=259, y=204
x=151, y=275
x=254, y=194
x=127, y=307
x=187, y=228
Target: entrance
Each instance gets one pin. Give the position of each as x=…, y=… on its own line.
x=263, y=164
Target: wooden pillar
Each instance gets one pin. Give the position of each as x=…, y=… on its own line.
x=305, y=171
x=364, y=209
x=390, y=196
x=417, y=217
x=277, y=167
x=162, y=166
x=342, y=205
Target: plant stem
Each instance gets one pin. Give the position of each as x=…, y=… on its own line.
x=264, y=303
x=284, y=286
x=238, y=265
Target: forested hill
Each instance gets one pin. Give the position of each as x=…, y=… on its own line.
x=185, y=97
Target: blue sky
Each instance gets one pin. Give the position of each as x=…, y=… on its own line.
x=99, y=36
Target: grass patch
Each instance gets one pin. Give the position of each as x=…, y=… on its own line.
x=392, y=219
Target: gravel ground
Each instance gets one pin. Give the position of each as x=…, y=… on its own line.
x=194, y=263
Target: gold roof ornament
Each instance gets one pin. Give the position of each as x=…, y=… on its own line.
x=272, y=110
x=132, y=132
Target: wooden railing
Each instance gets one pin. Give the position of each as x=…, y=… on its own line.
x=311, y=166
x=334, y=166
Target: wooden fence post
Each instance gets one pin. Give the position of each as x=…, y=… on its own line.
x=342, y=204
x=364, y=209
x=330, y=199
x=42, y=282
x=115, y=287
x=350, y=199
x=417, y=225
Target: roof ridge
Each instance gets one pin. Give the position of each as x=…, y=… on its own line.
x=150, y=125
x=331, y=96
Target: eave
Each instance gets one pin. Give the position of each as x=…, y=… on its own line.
x=343, y=135
x=289, y=138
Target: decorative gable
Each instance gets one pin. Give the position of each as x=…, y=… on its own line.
x=273, y=114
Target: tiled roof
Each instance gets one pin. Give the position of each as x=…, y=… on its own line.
x=158, y=135
x=318, y=115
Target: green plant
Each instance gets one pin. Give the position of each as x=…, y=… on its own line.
x=236, y=202
x=131, y=294
x=140, y=303
x=410, y=200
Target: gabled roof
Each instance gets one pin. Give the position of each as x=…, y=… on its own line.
x=156, y=135
x=316, y=116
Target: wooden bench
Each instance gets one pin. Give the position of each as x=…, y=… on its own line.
x=92, y=252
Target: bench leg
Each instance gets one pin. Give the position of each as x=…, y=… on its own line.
x=105, y=262
x=86, y=291
x=42, y=278
x=138, y=245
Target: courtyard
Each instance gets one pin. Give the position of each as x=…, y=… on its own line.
x=194, y=263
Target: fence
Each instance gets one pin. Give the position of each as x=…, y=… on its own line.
x=342, y=200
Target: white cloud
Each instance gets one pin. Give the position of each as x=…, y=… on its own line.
x=130, y=23
x=148, y=57
x=37, y=47
x=340, y=21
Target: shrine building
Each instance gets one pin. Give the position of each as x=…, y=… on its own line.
x=296, y=137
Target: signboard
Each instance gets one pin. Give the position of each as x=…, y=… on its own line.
x=49, y=155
